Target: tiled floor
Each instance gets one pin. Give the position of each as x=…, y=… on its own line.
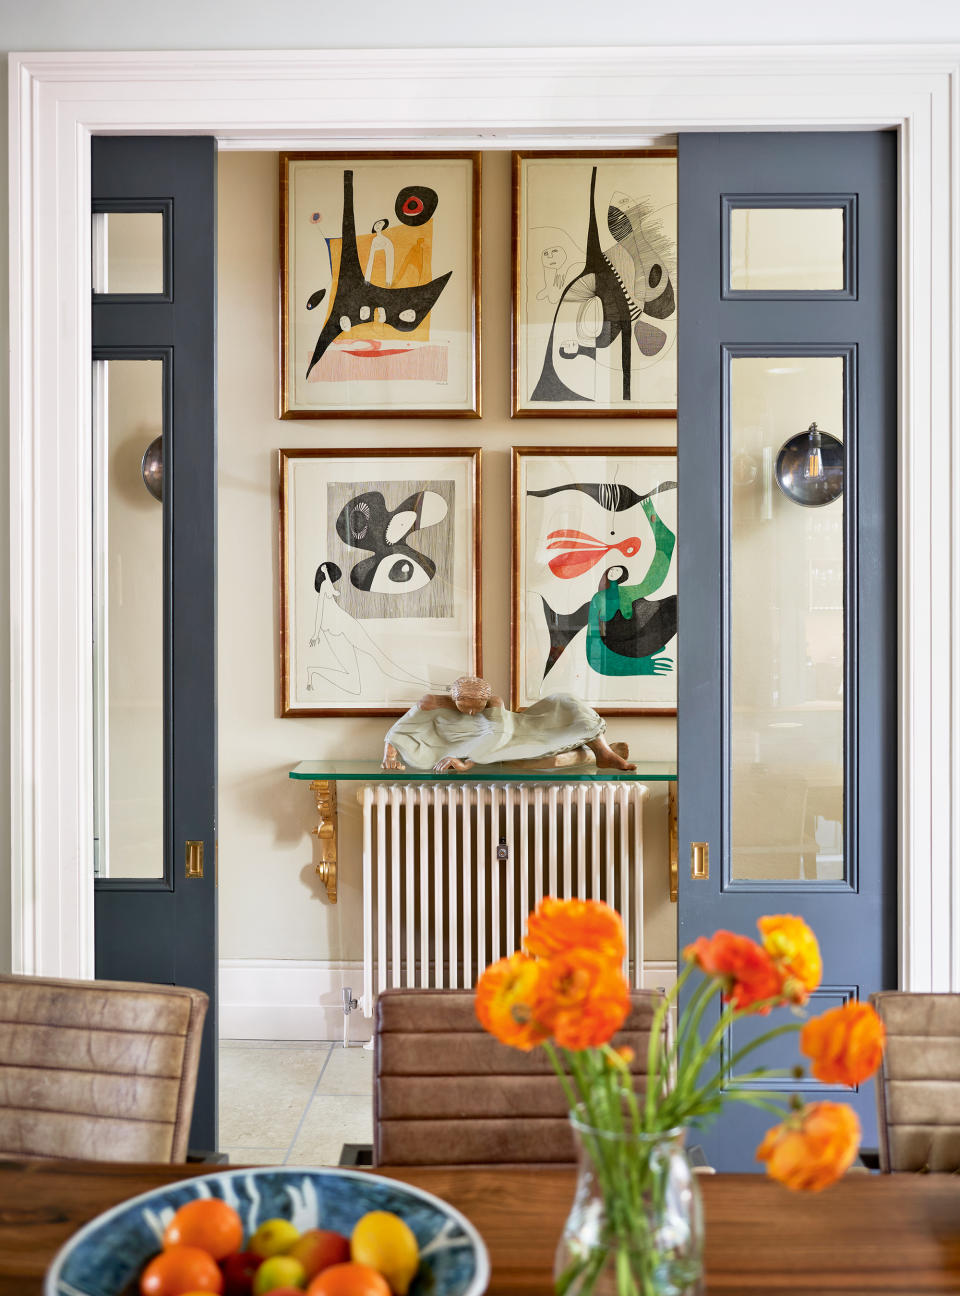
x=285, y=1102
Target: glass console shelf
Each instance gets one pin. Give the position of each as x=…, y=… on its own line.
x=324, y=775
x=369, y=771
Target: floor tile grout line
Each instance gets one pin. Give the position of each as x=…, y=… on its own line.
x=303, y=1115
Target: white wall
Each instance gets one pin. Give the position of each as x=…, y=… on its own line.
x=246, y=24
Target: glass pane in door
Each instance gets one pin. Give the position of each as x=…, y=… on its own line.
x=793, y=249
x=128, y=253
x=786, y=618
x=128, y=617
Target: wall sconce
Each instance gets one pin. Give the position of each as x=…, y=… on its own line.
x=151, y=468
x=810, y=468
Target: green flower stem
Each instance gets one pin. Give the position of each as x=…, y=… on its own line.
x=578, y=1063
x=721, y=1077
x=762, y=1098
x=627, y=1093
x=688, y=1030
x=561, y=1074
x=654, y=1051
x=774, y=1033
x=625, y=1284
x=762, y=1073
x=727, y=1019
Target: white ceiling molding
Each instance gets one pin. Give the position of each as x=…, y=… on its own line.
x=493, y=98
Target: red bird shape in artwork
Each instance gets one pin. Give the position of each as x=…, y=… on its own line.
x=582, y=551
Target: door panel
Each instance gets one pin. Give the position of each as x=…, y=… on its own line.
x=787, y=734
x=149, y=927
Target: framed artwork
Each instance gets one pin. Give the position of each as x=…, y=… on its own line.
x=594, y=577
x=379, y=285
x=595, y=284
x=379, y=577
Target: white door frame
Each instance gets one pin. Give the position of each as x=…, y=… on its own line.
x=464, y=98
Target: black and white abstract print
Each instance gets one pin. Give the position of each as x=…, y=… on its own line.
x=394, y=543
x=597, y=304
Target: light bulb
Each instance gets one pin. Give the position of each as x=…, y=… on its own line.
x=813, y=469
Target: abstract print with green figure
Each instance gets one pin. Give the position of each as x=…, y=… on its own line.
x=626, y=632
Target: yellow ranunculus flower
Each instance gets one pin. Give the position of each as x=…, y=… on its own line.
x=793, y=947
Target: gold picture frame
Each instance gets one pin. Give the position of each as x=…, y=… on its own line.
x=397, y=326
x=594, y=530
x=368, y=621
x=594, y=312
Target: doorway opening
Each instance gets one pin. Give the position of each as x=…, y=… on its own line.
x=287, y=953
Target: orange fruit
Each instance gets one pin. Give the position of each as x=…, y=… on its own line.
x=350, y=1279
x=207, y=1223
x=180, y=1270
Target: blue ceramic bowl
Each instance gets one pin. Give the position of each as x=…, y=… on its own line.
x=106, y=1255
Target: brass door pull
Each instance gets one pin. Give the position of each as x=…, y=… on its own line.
x=699, y=861
x=193, y=859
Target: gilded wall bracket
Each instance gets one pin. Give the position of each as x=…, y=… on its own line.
x=673, y=846
x=325, y=792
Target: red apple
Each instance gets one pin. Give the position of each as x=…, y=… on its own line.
x=318, y=1249
x=238, y=1270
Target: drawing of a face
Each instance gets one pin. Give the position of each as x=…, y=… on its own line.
x=325, y=581
x=613, y=576
x=618, y=222
x=554, y=258
x=395, y=568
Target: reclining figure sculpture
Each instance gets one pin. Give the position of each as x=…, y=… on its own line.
x=471, y=726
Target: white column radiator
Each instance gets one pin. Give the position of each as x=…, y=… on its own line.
x=451, y=870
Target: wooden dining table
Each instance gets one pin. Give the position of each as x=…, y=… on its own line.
x=867, y=1234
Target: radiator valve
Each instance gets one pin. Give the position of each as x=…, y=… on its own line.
x=502, y=851
x=349, y=1003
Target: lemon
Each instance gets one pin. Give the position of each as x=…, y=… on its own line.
x=273, y=1237
x=384, y=1242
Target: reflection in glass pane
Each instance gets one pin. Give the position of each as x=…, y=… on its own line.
x=786, y=628
x=129, y=618
x=792, y=249
x=130, y=259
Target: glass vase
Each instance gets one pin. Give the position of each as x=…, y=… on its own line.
x=636, y=1225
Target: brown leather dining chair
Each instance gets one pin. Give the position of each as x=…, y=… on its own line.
x=447, y=1093
x=918, y=1084
x=97, y=1070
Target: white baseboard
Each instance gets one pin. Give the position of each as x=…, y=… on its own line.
x=288, y=999
x=659, y=974
x=299, y=999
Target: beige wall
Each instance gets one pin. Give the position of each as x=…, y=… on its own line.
x=271, y=904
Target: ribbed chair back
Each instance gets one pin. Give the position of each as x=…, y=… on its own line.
x=447, y=1093
x=918, y=1085
x=97, y=1070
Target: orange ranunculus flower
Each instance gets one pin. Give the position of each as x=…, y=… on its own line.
x=746, y=969
x=561, y=926
x=504, y=1002
x=793, y=947
x=812, y=1149
x=582, y=998
x=845, y=1044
